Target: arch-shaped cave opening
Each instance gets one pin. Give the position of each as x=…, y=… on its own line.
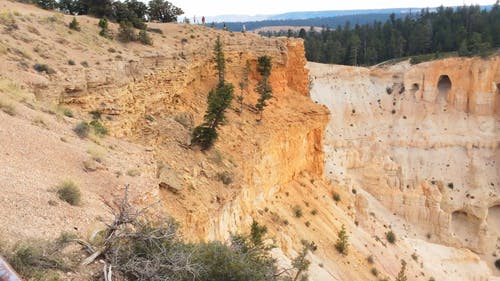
x=465, y=227
x=444, y=86
x=493, y=219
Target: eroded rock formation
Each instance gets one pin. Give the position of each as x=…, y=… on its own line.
x=424, y=141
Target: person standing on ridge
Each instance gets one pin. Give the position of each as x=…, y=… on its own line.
x=203, y=20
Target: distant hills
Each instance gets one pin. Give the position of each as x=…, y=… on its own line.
x=313, y=18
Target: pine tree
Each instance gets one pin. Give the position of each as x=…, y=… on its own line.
x=342, y=244
x=218, y=100
x=264, y=89
x=402, y=272
x=244, y=84
x=74, y=25
x=219, y=60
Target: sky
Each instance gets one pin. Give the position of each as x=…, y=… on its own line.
x=254, y=7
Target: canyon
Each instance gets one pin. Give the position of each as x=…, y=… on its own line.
x=407, y=148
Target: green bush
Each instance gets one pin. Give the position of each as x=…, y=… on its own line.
x=99, y=128
x=342, y=244
x=82, y=129
x=68, y=113
x=75, y=25
x=144, y=38
x=126, y=32
x=33, y=261
x=297, y=211
x=391, y=237
x=204, y=136
x=68, y=191
x=44, y=68
x=104, y=32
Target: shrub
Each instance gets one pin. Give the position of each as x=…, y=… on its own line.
x=144, y=38
x=43, y=68
x=369, y=259
x=82, y=129
x=391, y=237
x=68, y=113
x=374, y=271
x=342, y=244
x=71, y=62
x=336, y=197
x=68, y=191
x=126, y=32
x=8, y=108
x=225, y=177
x=204, y=136
x=133, y=173
x=152, y=250
x=85, y=64
x=314, y=212
x=36, y=260
x=297, y=211
x=402, y=273
x=99, y=128
x=75, y=25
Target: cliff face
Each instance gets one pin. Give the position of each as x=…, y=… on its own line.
x=150, y=98
x=423, y=140
x=468, y=85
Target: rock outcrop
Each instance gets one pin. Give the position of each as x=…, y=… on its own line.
x=424, y=141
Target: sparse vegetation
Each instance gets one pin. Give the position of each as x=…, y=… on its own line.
x=104, y=32
x=374, y=271
x=336, y=197
x=82, y=129
x=144, y=38
x=126, y=32
x=99, y=129
x=85, y=64
x=297, y=211
x=71, y=62
x=243, y=84
x=141, y=249
x=39, y=260
x=402, y=273
x=133, y=173
x=68, y=191
x=44, y=68
x=314, y=212
x=342, y=244
x=68, y=112
x=74, y=25
x=391, y=237
x=263, y=87
x=225, y=177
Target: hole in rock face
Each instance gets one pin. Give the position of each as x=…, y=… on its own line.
x=493, y=219
x=465, y=227
x=444, y=86
x=498, y=88
x=414, y=88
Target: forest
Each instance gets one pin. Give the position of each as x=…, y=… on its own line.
x=466, y=31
